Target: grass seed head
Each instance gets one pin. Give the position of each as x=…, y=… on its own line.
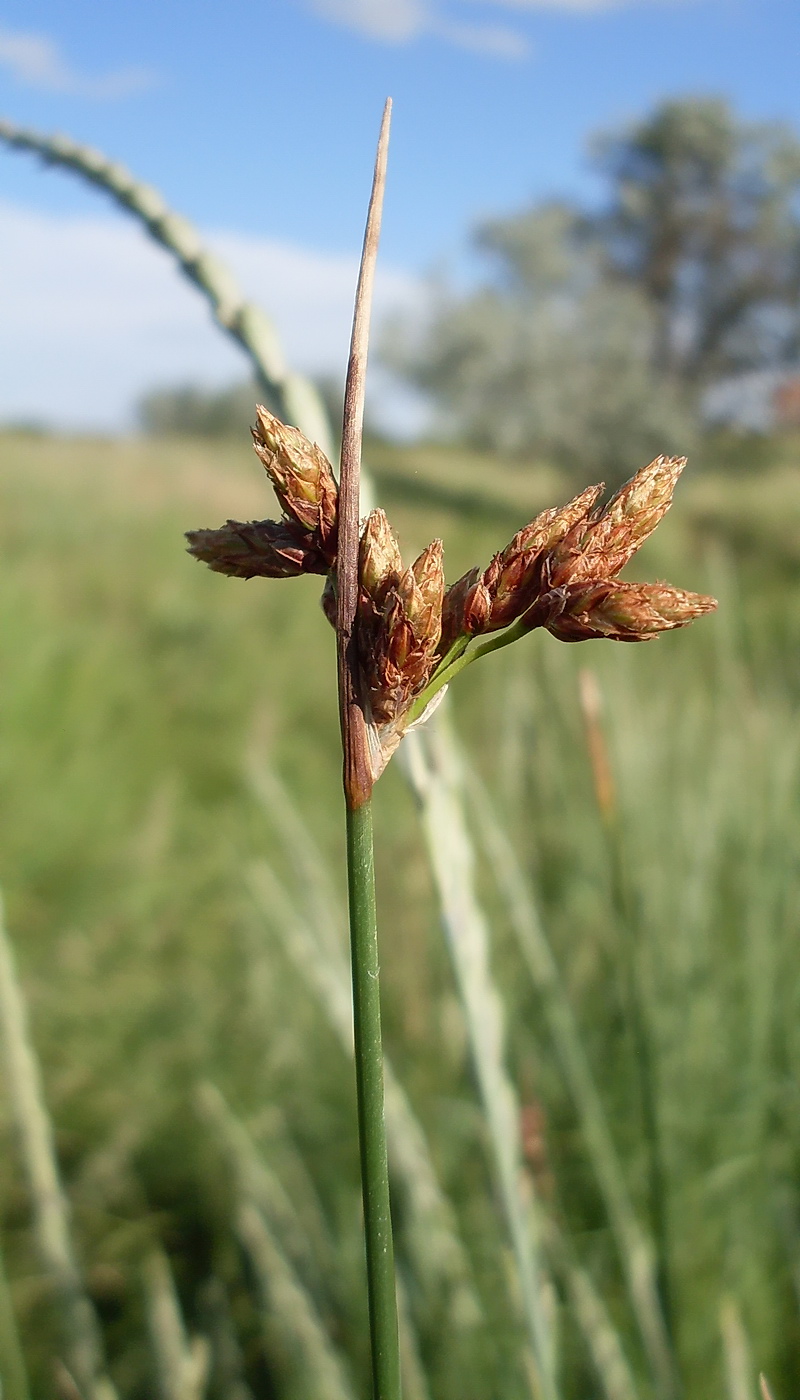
x=558, y=572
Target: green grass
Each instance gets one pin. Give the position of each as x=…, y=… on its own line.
x=140, y=694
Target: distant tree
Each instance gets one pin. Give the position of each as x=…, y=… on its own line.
x=188, y=410
x=549, y=357
x=704, y=219
x=598, y=329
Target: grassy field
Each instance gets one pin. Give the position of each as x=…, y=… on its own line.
x=174, y=925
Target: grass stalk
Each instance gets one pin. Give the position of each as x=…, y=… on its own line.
x=182, y=1362
x=436, y=777
x=436, y=1251
x=622, y=898
x=369, y=1087
x=293, y=1330
x=82, y=1341
x=739, y=1370
x=281, y=1256
x=296, y=398
x=633, y=1244
x=12, y=1361
x=599, y=1333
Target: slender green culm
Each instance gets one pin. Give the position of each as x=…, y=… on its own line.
x=358, y=777
x=369, y=1088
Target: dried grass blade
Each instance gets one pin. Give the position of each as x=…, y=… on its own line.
x=294, y=1334
x=601, y=1336
x=182, y=1363
x=739, y=1370
x=83, y=1346
x=437, y=781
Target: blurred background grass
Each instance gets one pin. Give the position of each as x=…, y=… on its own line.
x=143, y=699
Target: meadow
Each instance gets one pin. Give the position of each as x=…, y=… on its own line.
x=170, y=856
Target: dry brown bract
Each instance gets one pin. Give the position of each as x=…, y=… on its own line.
x=559, y=572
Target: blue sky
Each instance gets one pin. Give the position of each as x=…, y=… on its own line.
x=258, y=122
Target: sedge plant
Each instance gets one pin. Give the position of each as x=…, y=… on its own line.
x=402, y=637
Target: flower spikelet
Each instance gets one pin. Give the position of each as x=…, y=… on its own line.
x=514, y=576
x=466, y=608
x=399, y=621
x=302, y=478
x=380, y=563
x=257, y=549
x=626, y=612
x=485, y=602
x=600, y=546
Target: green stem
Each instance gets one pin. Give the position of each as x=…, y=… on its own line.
x=369, y=1086
x=457, y=658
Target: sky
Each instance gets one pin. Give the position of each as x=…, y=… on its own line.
x=258, y=123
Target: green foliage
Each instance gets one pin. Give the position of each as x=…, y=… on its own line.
x=142, y=695
x=704, y=219
x=597, y=329
x=189, y=411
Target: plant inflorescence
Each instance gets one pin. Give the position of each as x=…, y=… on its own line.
x=560, y=572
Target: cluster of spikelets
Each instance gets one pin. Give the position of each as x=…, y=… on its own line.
x=559, y=572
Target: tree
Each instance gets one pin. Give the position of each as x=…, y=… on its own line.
x=704, y=218
x=598, y=330
x=547, y=357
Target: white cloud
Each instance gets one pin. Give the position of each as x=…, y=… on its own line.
x=393, y=21
x=491, y=40
x=578, y=7
x=401, y=21
x=37, y=61
x=92, y=314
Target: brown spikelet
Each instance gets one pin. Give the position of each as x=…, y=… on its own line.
x=379, y=561
x=399, y=624
x=488, y=601
x=514, y=576
x=257, y=549
x=428, y=573
x=302, y=478
x=465, y=610
x=600, y=546
x=626, y=612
